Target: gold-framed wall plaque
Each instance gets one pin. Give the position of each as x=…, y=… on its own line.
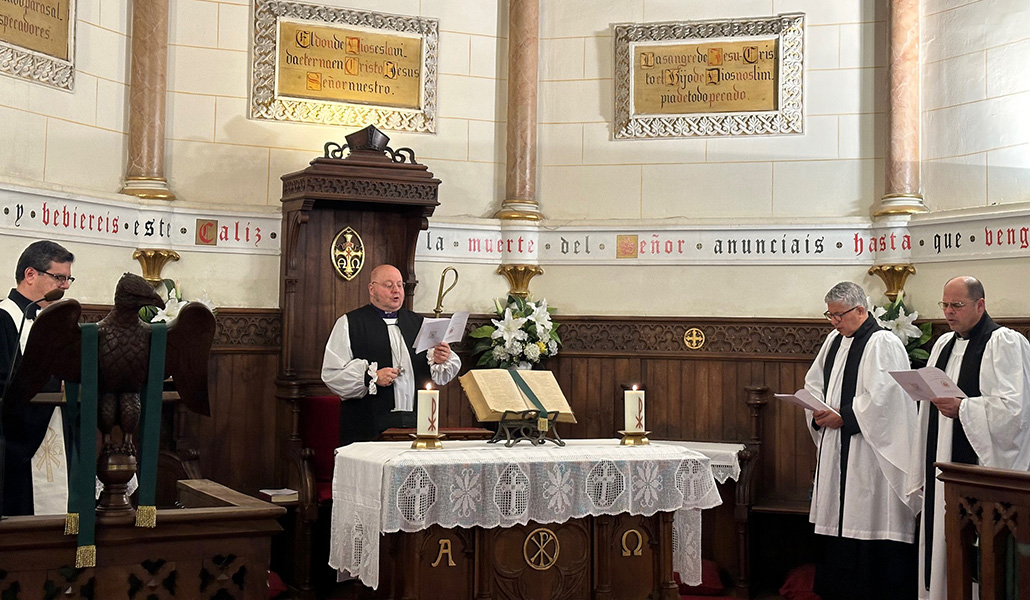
x=37, y=41
x=734, y=77
x=337, y=66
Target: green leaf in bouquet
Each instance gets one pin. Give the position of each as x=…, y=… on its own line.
x=927, y=329
x=482, y=346
x=484, y=331
x=920, y=354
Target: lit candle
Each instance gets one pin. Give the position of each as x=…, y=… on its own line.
x=428, y=411
x=634, y=400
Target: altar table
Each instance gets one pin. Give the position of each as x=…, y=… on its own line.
x=480, y=493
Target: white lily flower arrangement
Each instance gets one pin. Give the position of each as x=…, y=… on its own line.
x=521, y=336
x=895, y=317
x=173, y=304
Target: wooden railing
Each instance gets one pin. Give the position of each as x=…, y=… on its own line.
x=992, y=506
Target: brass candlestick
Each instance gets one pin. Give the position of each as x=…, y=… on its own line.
x=426, y=441
x=634, y=438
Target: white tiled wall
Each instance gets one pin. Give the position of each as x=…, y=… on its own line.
x=778, y=177
x=975, y=93
x=975, y=97
x=77, y=139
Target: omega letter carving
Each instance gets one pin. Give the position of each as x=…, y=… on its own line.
x=638, y=550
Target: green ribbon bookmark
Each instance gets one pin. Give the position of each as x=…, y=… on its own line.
x=83, y=503
x=150, y=426
x=519, y=381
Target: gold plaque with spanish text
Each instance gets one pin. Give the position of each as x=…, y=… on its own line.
x=38, y=25
x=318, y=61
x=713, y=78
x=707, y=77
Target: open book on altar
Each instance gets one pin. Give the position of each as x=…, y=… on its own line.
x=493, y=391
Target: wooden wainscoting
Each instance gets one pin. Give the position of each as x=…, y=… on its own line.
x=691, y=393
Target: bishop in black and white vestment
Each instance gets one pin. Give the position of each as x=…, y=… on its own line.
x=371, y=363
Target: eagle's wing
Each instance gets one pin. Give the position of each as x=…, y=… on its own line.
x=189, y=345
x=54, y=348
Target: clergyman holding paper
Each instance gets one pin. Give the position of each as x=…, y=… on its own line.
x=371, y=363
x=990, y=427
x=859, y=506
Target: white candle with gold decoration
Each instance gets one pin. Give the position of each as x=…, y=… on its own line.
x=634, y=400
x=428, y=411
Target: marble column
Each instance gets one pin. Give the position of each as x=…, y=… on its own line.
x=902, y=193
x=520, y=167
x=144, y=173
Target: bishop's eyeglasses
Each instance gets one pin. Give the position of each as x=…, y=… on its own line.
x=947, y=305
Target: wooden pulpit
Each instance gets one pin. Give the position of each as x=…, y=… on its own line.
x=360, y=205
x=341, y=218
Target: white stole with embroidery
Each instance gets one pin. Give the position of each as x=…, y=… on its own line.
x=49, y=463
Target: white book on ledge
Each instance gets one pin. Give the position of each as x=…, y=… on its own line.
x=279, y=495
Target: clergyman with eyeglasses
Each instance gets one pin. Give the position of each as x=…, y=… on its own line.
x=864, y=453
x=990, y=427
x=35, y=466
x=370, y=361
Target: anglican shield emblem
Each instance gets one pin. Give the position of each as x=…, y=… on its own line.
x=348, y=253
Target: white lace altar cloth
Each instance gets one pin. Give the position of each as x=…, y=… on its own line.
x=725, y=462
x=385, y=487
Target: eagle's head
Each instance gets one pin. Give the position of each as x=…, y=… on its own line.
x=133, y=293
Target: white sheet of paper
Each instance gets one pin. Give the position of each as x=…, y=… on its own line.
x=805, y=399
x=927, y=383
x=434, y=331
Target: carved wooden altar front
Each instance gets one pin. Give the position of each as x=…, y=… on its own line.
x=623, y=557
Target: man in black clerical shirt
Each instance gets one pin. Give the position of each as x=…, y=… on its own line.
x=990, y=427
x=42, y=267
x=370, y=361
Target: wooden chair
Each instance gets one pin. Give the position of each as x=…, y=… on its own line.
x=309, y=470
